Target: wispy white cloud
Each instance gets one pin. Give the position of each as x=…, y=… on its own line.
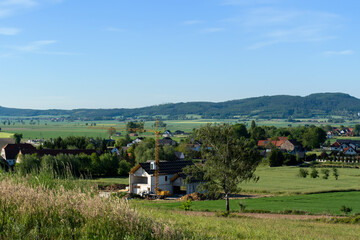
x=39, y=47
x=343, y=52
x=18, y=3
x=114, y=29
x=269, y=26
x=192, y=22
x=11, y=7
x=212, y=30
x=34, y=46
x=9, y=31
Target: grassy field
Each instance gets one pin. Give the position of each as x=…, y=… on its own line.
x=109, y=181
x=212, y=227
x=323, y=203
x=5, y=135
x=48, y=129
x=284, y=180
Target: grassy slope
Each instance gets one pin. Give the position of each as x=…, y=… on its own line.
x=250, y=228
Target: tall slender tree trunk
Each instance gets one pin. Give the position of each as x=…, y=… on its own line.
x=227, y=202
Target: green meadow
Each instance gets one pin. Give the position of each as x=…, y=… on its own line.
x=322, y=203
x=284, y=180
x=48, y=129
x=213, y=227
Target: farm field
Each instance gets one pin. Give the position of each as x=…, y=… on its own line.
x=47, y=129
x=322, y=203
x=5, y=135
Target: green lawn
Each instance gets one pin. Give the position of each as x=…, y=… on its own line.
x=284, y=180
x=212, y=227
x=109, y=181
x=323, y=203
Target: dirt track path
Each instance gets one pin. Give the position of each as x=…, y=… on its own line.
x=263, y=215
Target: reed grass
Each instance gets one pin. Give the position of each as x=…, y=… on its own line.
x=33, y=210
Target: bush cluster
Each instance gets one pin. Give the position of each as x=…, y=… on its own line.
x=303, y=173
x=75, y=165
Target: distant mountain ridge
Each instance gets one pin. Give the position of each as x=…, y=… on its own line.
x=278, y=106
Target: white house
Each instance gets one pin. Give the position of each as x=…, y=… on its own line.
x=171, y=178
x=115, y=150
x=167, y=133
x=349, y=151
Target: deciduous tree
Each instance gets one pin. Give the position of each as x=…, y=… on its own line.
x=229, y=161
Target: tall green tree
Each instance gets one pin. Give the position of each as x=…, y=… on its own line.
x=17, y=137
x=276, y=158
x=313, y=137
x=229, y=160
x=111, y=131
x=357, y=130
x=240, y=130
x=258, y=133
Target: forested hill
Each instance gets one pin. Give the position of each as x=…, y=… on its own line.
x=279, y=106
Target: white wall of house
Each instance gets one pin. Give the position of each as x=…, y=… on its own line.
x=3, y=153
x=142, y=182
x=139, y=182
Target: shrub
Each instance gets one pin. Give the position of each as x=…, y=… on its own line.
x=124, y=168
x=345, y=209
x=303, y=173
x=242, y=206
x=290, y=159
x=314, y=173
x=186, y=205
x=326, y=173
x=311, y=157
x=276, y=158
x=335, y=173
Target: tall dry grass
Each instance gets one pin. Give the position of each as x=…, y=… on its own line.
x=39, y=212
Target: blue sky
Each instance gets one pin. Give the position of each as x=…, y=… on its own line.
x=125, y=53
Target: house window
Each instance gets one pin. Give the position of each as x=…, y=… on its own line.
x=165, y=178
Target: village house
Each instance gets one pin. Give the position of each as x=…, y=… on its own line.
x=167, y=141
x=179, y=155
x=179, y=132
x=167, y=133
x=10, y=152
x=171, y=178
x=283, y=143
x=341, y=144
x=135, y=141
x=340, y=132
x=347, y=146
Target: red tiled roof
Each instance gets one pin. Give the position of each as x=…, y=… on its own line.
x=276, y=143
